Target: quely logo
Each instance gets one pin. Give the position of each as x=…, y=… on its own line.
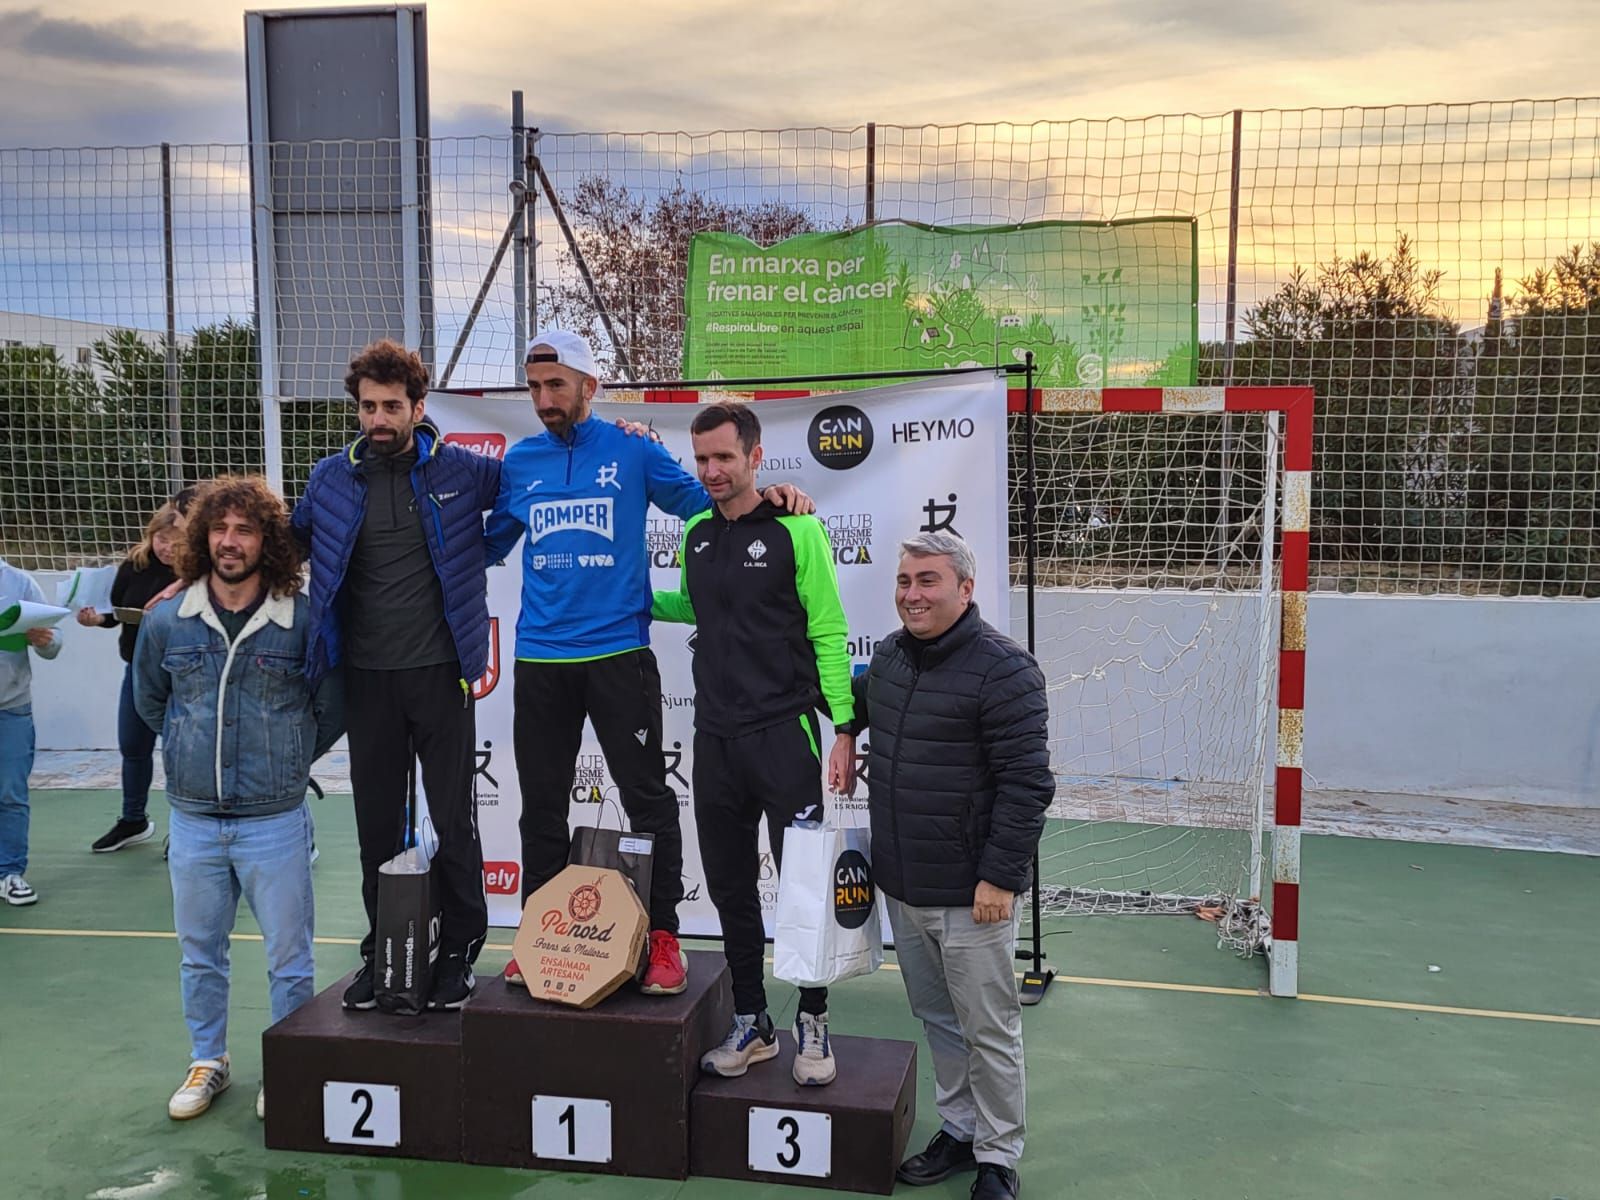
x=596, y=560
x=502, y=878
x=840, y=437
x=490, y=445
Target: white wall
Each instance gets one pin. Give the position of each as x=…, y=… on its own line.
x=1494, y=699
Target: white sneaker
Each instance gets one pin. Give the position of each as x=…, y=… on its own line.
x=751, y=1040
x=261, y=1103
x=207, y=1078
x=814, y=1065
x=16, y=891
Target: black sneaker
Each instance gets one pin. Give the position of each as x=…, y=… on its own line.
x=124, y=833
x=453, y=982
x=359, y=994
x=995, y=1182
x=942, y=1159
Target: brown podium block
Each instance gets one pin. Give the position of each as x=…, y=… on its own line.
x=603, y=1090
x=849, y=1135
x=373, y=1083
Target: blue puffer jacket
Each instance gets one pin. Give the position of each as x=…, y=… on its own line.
x=454, y=486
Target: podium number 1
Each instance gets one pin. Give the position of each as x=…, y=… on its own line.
x=791, y=1143
x=361, y=1114
x=572, y=1128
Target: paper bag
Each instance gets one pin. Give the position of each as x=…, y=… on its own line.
x=829, y=928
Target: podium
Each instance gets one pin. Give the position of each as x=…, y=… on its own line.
x=604, y=1090
x=346, y=1082
x=849, y=1136
x=617, y=1089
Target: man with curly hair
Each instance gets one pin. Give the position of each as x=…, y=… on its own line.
x=393, y=525
x=219, y=672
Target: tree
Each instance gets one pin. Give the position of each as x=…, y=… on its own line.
x=1537, y=432
x=637, y=252
x=84, y=459
x=1393, y=380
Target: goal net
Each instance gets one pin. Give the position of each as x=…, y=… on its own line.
x=1157, y=623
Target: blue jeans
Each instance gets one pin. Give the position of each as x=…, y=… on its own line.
x=137, y=741
x=16, y=761
x=212, y=860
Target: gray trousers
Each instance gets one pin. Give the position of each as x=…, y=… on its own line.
x=960, y=979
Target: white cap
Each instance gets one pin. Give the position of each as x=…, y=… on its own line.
x=569, y=350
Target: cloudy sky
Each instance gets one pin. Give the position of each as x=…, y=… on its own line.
x=108, y=72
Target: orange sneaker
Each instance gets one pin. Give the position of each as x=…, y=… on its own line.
x=514, y=974
x=668, y=972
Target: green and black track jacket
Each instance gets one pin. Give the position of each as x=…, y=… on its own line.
x=771, y=640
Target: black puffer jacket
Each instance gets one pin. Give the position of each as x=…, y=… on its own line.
x=958, y=765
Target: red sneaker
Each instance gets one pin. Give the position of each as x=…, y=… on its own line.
x=514, y=974
x=668, y=973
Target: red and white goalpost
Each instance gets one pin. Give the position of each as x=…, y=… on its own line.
x=1173, y=534
x=1155, y=857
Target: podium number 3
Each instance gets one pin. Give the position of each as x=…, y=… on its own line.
x=790, y=1128
x=791, y=1142
x=571, y=1128
x=361, y=1114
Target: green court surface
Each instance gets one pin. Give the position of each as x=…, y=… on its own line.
x=1156, y=1068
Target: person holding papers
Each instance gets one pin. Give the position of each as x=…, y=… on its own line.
x=143, y=574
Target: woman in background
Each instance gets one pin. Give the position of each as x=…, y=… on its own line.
x=143, y=575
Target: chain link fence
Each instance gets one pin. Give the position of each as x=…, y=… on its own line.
x=1432, y=271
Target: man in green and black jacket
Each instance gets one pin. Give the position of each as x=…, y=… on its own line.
x=759, y=583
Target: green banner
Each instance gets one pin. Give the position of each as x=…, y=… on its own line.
x=1100, y=304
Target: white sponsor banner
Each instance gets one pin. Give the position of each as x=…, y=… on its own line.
x=881, y=465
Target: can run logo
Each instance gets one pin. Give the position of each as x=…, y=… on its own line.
x=853, y=893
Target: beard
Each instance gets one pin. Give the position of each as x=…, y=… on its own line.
x=390, y=446
x=235, y=570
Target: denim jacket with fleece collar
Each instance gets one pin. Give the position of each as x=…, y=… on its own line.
x=240, y=726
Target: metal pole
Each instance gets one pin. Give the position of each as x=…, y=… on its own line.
x=1224, y=506
x=174, y=393
x=265, y=256
x=519, y=251
x=531, y=140
x=410, y=199
x=1035, y=982
x=872, y=172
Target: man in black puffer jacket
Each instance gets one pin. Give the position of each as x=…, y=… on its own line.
x=959, y=779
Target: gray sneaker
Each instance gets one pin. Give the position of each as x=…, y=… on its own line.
x=207, y=1079
x=14, y=889
x=814, y=1065
x=751, y=1040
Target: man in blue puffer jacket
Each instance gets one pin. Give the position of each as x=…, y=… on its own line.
x=393, y=525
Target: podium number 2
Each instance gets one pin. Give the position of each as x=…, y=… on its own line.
x=791, y=1143
x=361, y=1114
x=572, y=1128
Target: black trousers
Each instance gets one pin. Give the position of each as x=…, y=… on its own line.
x=621, y=696
x=776, y=773
x=423, y=708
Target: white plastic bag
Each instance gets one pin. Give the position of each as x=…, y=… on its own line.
x=829, y=927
